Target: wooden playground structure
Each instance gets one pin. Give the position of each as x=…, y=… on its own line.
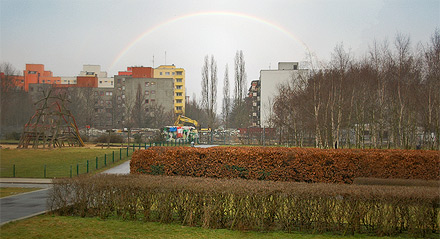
x=52, y=125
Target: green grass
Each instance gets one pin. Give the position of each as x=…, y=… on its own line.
x=5, y=192
x=47, y=226
x=60, y=162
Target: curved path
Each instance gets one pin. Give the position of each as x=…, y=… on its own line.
x=30, y=204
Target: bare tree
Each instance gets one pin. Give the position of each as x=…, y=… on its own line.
x=209, y=88
x=138, y=111
x=16, y=104
x=240, y=78
x=226, y=109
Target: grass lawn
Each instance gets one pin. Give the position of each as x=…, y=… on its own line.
x=4, y=192
x=60, y=162
x=47, y=226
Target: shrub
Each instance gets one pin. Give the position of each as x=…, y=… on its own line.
x=113, y=138
x=289, y=164
x=251, y=204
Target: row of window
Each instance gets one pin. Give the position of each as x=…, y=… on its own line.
x=167, y=73
x=111, y=82
x=54, y=81
x=107, y=93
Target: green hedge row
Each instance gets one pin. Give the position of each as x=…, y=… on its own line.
x=253, y=205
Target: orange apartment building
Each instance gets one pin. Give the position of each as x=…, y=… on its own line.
x=138, y=72
x=35, y=74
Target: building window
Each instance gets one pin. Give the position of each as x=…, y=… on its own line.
x=123, y=87
x=178, y=101
x=32, y=72
x=179, y=87
x=178, y=107
x=147, y=84
x=179, y=80
x=147, y=92
x=153, y=101
x=108, y=93
x=153, y=83
x=111, y=82
x=147, y=101
x=95, y=93
x=167, y=73
x=123, y=96
x=178, y=93
x=161, y=73
x=119, y=81
x=179, y=73
x=100, y=82
x=153, y=92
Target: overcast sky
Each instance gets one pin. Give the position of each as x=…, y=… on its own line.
x=63, y=35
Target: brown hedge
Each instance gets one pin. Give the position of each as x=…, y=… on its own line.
x=252, y=204
x=287, y=164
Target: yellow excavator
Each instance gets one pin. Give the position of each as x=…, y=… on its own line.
x=181, y=120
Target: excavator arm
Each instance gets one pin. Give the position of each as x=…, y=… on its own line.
x=181, y=120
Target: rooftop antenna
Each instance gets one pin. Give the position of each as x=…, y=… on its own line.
x=165, y=57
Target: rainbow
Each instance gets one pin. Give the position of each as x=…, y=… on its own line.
x=200, y=14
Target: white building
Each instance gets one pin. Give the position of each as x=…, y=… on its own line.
x=270, y=80
x=95, y=70
x=68, y=80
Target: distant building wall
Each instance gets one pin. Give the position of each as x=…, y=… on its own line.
x=93, y=70
x=142, y=72
x=270, y=80
x=107, y=82
x=154, y=92
x=178, y=76
x=87, y=81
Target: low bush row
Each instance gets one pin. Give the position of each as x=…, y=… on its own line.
x=287, y=164
x=252, y=204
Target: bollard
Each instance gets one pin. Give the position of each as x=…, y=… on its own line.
x=87, y=166
x=139, y=145
x=96, y=163
x=105, y=160
x=120, y=153
x=70, y=171
x=113, y=156
x=77, y=169
x=45, y=171
x=127, y=151
x=13, y=171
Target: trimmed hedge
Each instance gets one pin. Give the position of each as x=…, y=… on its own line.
x=251, y=204
x=287, y=164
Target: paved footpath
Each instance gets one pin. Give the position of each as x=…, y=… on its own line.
x=30, y=204
x=24, y=205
